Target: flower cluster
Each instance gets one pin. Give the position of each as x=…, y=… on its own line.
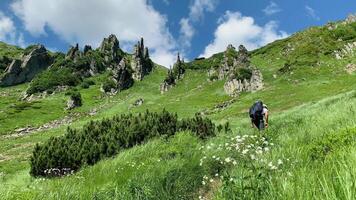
x=55, y=172
x=237, y=151
x=130, y=165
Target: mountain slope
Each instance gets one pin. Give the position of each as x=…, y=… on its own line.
x=310, y=105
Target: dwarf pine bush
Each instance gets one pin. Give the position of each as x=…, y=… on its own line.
x=102, y=139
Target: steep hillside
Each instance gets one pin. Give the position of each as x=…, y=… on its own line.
x=307, y=152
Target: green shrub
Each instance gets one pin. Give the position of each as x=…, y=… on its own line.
x=87, y=83
x=101, y=139
x=52, y=78
x=75, y=96
x=321, y=148
x=243, y=73
x=108, y=85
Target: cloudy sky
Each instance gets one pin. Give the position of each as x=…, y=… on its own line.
x=192, y=27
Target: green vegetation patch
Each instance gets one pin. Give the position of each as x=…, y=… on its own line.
x=333, y=142
x=97, y=140
x=243, y=73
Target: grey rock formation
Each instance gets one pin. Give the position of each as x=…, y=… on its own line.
x=237, y=69
x=73, y=102
x=350, y=68
x=111, y=48
x=122, y=76
x=24, y=70
x=141, y=63
x=173, y=76
x=138, y=102
x=350, y=19
x=234, y=87
x=87, y=48
x=348, y=50
x=73, y=53
x=231, y=62
x=165, y=86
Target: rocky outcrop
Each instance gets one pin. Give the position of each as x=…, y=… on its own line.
x=350, y=68
x=348, y=50
x=121, y=79
x=141, y=63
x=237, y=69
x=138, y=102
x=173, y=76
x=231, y=62
x=24, y=70
x=234, y=87
x=74, y=53
x=122, y=76
x=110, y=47
x=87, y=48
x=75, y=100
x=350, y=19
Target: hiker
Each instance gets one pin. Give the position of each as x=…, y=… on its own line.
x=259, y=115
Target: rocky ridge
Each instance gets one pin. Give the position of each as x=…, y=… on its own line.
x=25, y=69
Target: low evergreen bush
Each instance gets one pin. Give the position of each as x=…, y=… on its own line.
x=102, y=139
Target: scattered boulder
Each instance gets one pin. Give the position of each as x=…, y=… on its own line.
x=141, y=63
x=350, y=68
x=75, y=100
x=24, y=70
x=138, y=102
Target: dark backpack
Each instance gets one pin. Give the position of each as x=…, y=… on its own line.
x=256, y=110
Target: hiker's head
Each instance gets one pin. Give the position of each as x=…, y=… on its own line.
x=265, y=106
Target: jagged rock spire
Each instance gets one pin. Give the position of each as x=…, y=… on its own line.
x=110, y=47
x=86, y=49
x=141, y=63
x=73, y=52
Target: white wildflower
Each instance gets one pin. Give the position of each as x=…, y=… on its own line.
x=252, y=157
x=279, y=162
x=244, y=151
x=228, y=159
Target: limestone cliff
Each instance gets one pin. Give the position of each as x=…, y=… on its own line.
x=25, y=69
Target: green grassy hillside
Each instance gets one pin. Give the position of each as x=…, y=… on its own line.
x=308, y=151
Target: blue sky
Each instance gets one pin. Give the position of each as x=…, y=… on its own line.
x=192, y=27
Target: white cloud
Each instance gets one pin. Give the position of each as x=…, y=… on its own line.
x=89, y=21
x=198, y=8
x=8, y=32
x=312, y=13
x=236, y=29
x=187, y=32
x=166, y=2
x=196, y=13
x=272, y=8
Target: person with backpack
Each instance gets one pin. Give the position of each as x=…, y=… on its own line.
x=259, y=115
